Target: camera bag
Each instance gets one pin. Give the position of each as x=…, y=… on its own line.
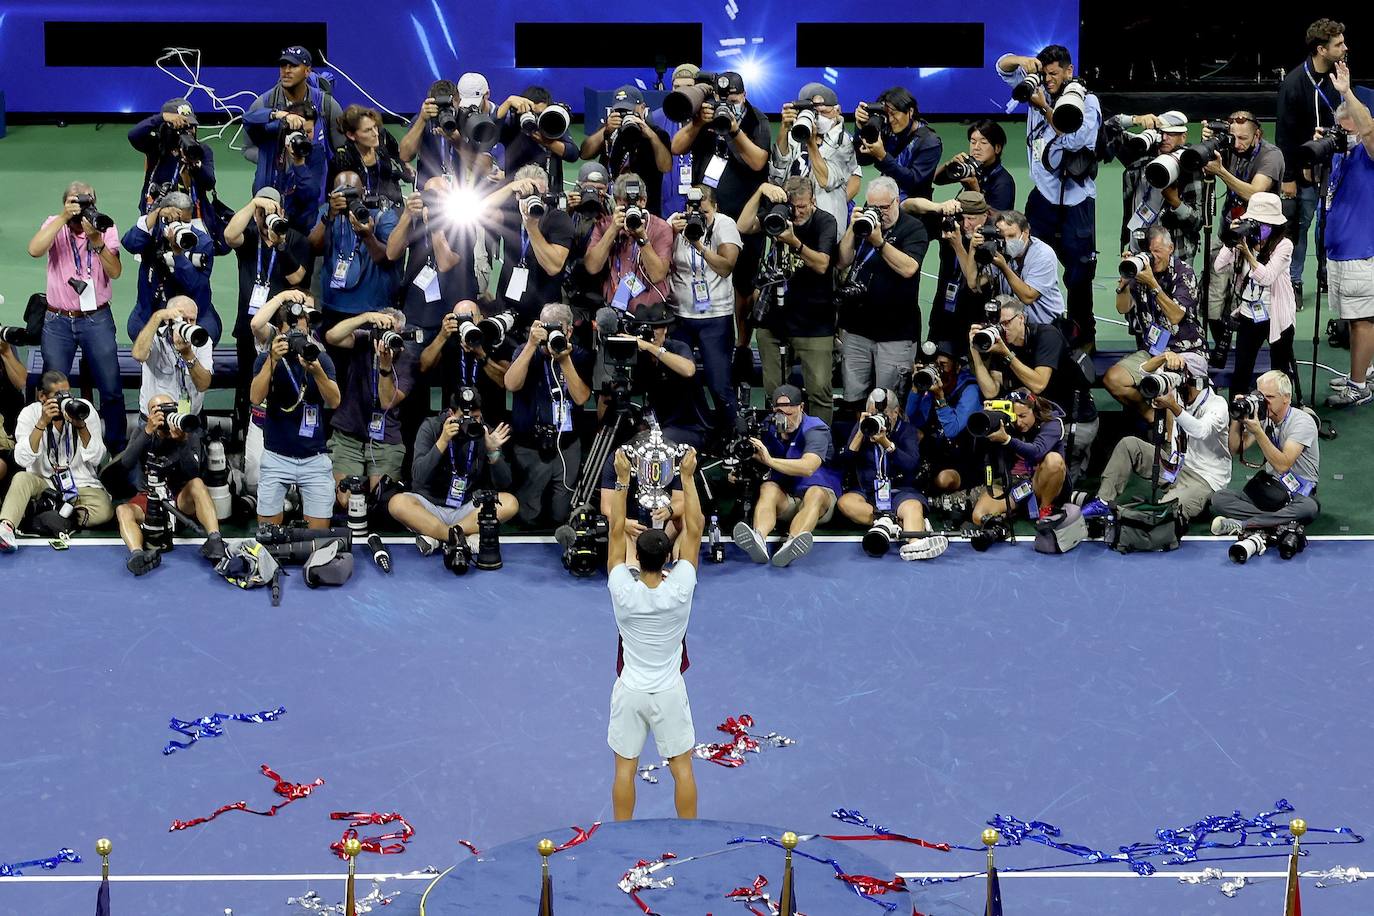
x=329, y=564
x=1139, y=525
x=1062, y=531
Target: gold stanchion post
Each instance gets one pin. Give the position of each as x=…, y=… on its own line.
x=351, y=847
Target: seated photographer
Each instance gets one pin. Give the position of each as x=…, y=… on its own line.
x=1195, y=457
x=626, y=141
x=372, y=153
x=1285, y=490
x=296, y=381
x=174, y=160
x=366, y=438
x=803, y=485
x=82, y=260
x=546, y=379
x=826, y=156
x=457, y=456
x=967, y=280
x=1160, y=304
x=1033, y=442
x=981, y=169
x=17, y=375
x=884, y=455
x=537, y=252
x=173, y=364
x=664, y=372
x=1263, y=306
x=176, y=259
x=900, y=145
x=879, y=311
x=635, y=244
x=355, y=274
x=58, y=449
x=526, y=144
x=704, y=256
x=804, y=326
x=179, y=458
x=1038, y=358
x=1177, y=207
x=944, y=394
x=1349, y=239
x=1028, y=268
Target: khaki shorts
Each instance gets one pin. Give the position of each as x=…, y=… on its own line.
x=357, y=458
x=1352, y=288
x=794, y=503
x=1134, y=363
x=634, y=713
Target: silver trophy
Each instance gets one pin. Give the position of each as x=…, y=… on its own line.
x=654, y=461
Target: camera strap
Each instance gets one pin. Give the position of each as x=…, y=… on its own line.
x=458, y=482
x=300, y=388
x=560, y=412
x=76, y=256
x=61, y=449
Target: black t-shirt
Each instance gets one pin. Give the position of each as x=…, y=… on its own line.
x=248, y=255
x=809, y=306
x=889, y=310
x=521, y=150
x=541, y=288
x=637, y=155
x=738, y=182
x=676, y=401
x=454, y=285
x=1045, y=346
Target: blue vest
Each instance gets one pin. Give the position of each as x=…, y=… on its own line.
x=826, y=475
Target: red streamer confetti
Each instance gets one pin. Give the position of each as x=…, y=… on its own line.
x=727, y=753
x=891, y=838
x=579, y=837
x=290, y=791
x=755, y=894
x=381, y=844
x=468, y=845
x=638, y=879
x=871, y=886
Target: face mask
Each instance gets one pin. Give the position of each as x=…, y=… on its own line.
x=1265, y=231
x=1016, y=247
x=824, y=124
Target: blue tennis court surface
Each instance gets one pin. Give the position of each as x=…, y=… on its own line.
x=1108, y=695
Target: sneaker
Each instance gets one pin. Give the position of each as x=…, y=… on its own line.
x=1226, y=527
x=213, y=548
x=1351, y=395
x=426, y=545
x=1045, y=512
x=793, y=549
x=1297, y=293
x=7, y=541
x=1096, y=508
x=1341, y=381
x=925, y=549
x=143, y=561
x=751, y=543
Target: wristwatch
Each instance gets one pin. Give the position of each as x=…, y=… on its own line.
x=661, y=351
x=622, y=486
x=384, y=373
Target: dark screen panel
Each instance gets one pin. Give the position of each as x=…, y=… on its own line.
x=890, y=44
x=588, y=44
x=140, y=44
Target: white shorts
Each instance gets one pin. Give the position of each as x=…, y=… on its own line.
x=1352, y=288
x=447, y=515
x=634, y=713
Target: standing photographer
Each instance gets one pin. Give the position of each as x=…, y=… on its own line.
x=968, y=278
x=1350, y=239
x=173, y=365
x=372, y=153
x=537, y=251
x=1177, y=207
x=826, y=156
x=1285, y=490
x=1035, y=443
x=525, y=142
x=900, y=145
x=176, y=261
x=356, y=275
x=637, y=246
x=293, y=129
x=980, y=169
x=174, y=160
x=678, y=179
x=179, y=456
x=1062, y=208
x=58, y=446
x=1028, y=270
x=628, y=142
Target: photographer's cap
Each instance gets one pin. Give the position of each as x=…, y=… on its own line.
x=653, y=314
x=269, y=193
x=729, y=81
x=472, y=87
x=296, y=55
x=1265, y=207
x=180, y=107
x=787, y=396
x=1173, y=122
x=627, y=98
x=592, y=171
x=947, y=348
x=811, y=90
x=686, y=71
x=972, y=203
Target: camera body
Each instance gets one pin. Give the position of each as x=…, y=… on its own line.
x=299, y=345
x=695, y=230
x=867, y=220
x=1333, y=140
x=356, y=203
x=72, y=408
x=994, y=528
x=592, y=202
x=299, y=144
x=992, y=243
x=876, y=126
x=396, y=340
x=985, y=338
x=1233, y=232
x=1250, y=406
x=1194, y=156
x=961, y=170
x=995, y=415
x=170, y=419
x=188, y=332
x=90, y=214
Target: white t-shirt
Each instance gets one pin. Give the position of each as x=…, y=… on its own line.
x=652, y=623
x=688, y=265
x=164, y=373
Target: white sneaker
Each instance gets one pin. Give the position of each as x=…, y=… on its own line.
x=1226, y=527
x=1351, y=396
x=925, y=549
x=1340, y=381
x=426, y=545
x=750, y=542
x=793, y=549
x=7, y=541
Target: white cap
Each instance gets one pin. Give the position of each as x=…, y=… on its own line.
x=1173, y=122
x=472, y=87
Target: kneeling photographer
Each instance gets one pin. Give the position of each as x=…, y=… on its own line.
x=944, y=394
x=1194, y=456
x=460, y=480
x=1285, y=490
x=638, y=357
x=59, y=448
x=176, y=259
x=1032, y=434
x=884, y=454
x=167, y=458
x=176, y=357
x=802, y=487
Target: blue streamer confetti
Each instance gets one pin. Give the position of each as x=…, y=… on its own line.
x=212, y=726
x=839, y=872
x=15, y=870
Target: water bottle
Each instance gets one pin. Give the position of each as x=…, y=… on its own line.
x=717, y=552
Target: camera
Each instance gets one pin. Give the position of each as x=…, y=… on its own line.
x=299, y=145
x=183, y=234
x=635, y=217
x=925, y=378
x=873, y=130
x=584, y=540
x=985, y=250
x=355, y=203
x=1251, y=545
x=853, y=291
x=804, y=127
x=1157, y=384
x=529, y=123
x=494, y=329
x=1163, y=170
x=1250, y=406
x=1194, y=156
x=185, y=331
x=865, y=221
x=534, y=206
x=90, y=214
x=1233, y=232
x=1134, y=264
x=1290, y=538
x=296, y=309
x=695, y=230
x=873, y=425
x=396, y=340
x=877, y=541
x=470, y=429
x=949, y=223
x=995, y=415
x=276, y=223
x=157, y=524
x=1333, y=140
x=447, y=118
x=478, y=129
x=1138, y=145
x=961, y=170
x=775, y=218
x=17, y=337
x=356, y=489
x=488, y=530
x=592, y=202
x=985, y=338
x=994, y=528
x=726, y=114
x=295, y=543
x=749, y=424
x=553, y=121
x=299, y=345
x=1067, y=115
x=71, y=407
x=557, y=343
x=1023, y=90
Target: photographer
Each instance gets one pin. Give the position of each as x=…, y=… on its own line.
x=1177, y=207
x=1195, y=458
x=546, y=378
x=1308, y=99
x=1062, y=208
x=678, y=179
x=703, y=260
x=636, y=244
x=1262, y=303
x=1160, y=305
x=366, y=439
x=176, y=259
x=356, y=275
x=172, y=364
x=372, y=153
x=1034, y=442
x=456, y=456
x=1284, y=491
x=665, y=374
x=180, y=455
x=588, y=203
x=459, y=362
x=13, y=371
x=980, y=169
x=879, y=311
x=174, y=160
x=531, y=147
x=82, y=260
x=805, y=323
x=536, y=252
x=826, y=157
x=803, y=485
x=1028, y=269
x=628, y=142
x=940, y=412
x=967, y=278
x=296, y=381
x=1037, y=357
x=58, y=447
x=903, y=147
x=884, y=462
x=1349, y=238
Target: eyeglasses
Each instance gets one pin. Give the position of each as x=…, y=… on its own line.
x=1006, y=322
x=1241, y=120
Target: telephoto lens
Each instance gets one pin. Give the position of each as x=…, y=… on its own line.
x=535, y=206
x=865, y=221
x=1163, y=170
x=217, y=477
x=558, y=339
x=1023, y=90
x=877, y=541
x=275, y=222
x=1252, y=545
x=1135, y=264
x=529, y=123
x=192, y=333
x=634, y=218
x=496, y=327
x=17, y=337
x=73, y=408
x=1157, y=384
x=775, y=218
x=554, y=121
x=984, y=423
x=984, y=339
x=1067, y=115
x=300, y=345
x=470, y=334
x=803, y=127
x=960, y=170
x=873, y=425
x=183, y=234
x=925, y=378
x=994, y=528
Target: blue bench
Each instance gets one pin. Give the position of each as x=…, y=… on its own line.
x=223, y=374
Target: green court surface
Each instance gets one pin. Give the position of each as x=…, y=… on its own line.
x=36, y=162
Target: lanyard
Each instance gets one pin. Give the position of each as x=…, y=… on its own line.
x=271, y=264
x=880, y=461
x=551, y=375
x=867, y=256
x=1317, y=91
x=697, y=263
x=340, y=226
x=1275, y=427
x=76, y=256
x=524, y=244
x=67, y=439
x=634, y=266
x=467, y=464
x=299, y=386
x=377, y=387
x=467, y=369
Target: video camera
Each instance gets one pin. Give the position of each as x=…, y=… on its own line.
x=585, y=540
x=995, y=415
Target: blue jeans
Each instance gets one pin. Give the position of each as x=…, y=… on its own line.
x=1072, y=233
x=95, y=335
x=1300, y=224
x=715, y=339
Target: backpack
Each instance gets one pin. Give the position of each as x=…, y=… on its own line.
x=247, y=564
x=1062, y=531
x=1138, y=525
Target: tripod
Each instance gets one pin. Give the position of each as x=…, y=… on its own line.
x=1209, y=195
x=1321, y=173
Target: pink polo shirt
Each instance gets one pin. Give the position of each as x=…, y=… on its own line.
x=66, y=263
x=624, y=259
